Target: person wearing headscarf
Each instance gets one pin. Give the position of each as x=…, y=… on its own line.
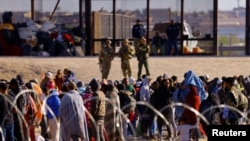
x=195, y=95
x=72, y=120
x=87, y=98
x=191, y=78
x=59, y=80
x=113, y=119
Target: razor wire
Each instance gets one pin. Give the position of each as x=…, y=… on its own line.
x=200, y=115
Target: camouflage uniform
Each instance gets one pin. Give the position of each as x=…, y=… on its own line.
x=126, y=52
x=142, y=54
x=106, y=56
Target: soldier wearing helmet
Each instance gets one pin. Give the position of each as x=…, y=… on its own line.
x=126, y=52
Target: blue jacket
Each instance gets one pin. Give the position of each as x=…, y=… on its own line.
x=138, y=31
x=172, y=32
x=53, y=102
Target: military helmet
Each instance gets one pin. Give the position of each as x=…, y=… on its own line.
x=125, y=40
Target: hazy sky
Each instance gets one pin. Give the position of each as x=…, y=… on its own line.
x=72, y=5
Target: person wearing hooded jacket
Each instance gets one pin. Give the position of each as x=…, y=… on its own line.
x=73, y=124
x=145, y=96
x=52, y=110
x=98, y=109
x=14, y=89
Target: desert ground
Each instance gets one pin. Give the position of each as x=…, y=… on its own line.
x=87, y=68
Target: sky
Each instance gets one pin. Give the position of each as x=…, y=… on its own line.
x=72, y=5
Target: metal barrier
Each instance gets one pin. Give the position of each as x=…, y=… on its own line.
x=230, y=48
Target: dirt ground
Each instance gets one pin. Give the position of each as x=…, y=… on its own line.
x=87, y=68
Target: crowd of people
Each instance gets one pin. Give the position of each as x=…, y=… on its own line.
x=117, y=110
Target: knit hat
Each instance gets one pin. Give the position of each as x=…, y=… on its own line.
x=14, y=81
x=94, y=84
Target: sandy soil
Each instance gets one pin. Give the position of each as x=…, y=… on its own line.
x=87, y=68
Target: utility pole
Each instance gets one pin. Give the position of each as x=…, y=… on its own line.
x=88, y=27
x=32, y=10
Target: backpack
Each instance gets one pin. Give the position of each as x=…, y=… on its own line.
x=128, y=101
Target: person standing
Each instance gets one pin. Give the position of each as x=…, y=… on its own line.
x=15, y=89
x=52, y=112
x=157, y=44
x=138, y=31
x=43, y=124
x=144, y=111
x=126, y=52
x=105, y=57
x=172, y=32
x=142, y=54
x=113, y=119
x=86, y=97
x=4, y=110
x=73, y=125
x=98, y=109
x=193, y=99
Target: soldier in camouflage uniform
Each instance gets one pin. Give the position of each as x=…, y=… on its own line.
x=105, y=57
x=142, y=54
x=126, y=52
